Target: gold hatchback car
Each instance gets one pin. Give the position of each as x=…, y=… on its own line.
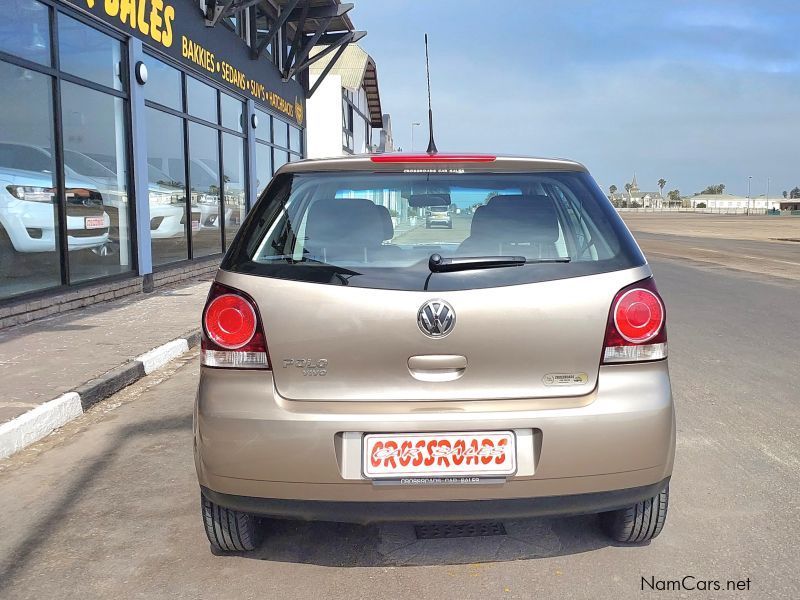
x=360, y=367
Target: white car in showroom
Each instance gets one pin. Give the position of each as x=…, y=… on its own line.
x=27, y=212
x=166, y=201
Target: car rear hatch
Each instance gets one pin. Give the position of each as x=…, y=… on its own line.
x=528, y=341
x=342, y=288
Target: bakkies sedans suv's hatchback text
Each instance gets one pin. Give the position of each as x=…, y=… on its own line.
x=358, y=366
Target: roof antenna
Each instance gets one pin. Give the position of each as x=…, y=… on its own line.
x=431, y=144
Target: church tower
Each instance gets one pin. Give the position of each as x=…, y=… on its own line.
x=634, y=185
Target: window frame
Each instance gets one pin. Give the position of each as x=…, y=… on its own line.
x=219, y=128
x=56, y=75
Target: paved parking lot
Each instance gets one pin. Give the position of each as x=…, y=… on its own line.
x=108, y=507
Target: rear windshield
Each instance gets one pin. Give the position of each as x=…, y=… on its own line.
x=379, y=230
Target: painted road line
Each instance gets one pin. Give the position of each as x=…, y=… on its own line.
x=776, y=260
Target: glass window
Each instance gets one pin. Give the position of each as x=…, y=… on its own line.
x=264, y=129
x=281, y=158
x=359, y=134
x=90, y=54
x=358, y=229
x=232, y=113
x=28, y=215
x=166, y=187
x=234, y=182
x=163, y=83
x=347, y=141
x=294, y=139
x=97, y=197
x=25, y=30
x=204, y=179
x=263, y=167
x=201, y=100
x=280, y=133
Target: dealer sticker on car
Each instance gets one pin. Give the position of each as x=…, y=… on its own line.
x=481, y=454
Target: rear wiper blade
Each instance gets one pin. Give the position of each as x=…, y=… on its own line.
x=561, y=259
x=438, y=264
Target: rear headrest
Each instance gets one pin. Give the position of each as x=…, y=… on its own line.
x=520, y=218
x=344, y=222
x=386, y=220
x=481, y=222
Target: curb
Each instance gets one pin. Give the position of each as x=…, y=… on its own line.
x=39, y=422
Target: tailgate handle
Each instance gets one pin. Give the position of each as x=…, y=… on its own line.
x=437, y=367
x=437, y=362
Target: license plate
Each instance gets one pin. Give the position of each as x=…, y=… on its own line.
x=95, y=222
x=483, y=453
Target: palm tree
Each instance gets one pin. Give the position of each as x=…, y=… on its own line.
x=661, y=183
x=612, y=190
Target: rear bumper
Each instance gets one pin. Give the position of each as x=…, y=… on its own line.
x=454, y=510
x=252, y=443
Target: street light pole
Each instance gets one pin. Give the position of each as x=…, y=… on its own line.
x=413, y=124
x=749, y=179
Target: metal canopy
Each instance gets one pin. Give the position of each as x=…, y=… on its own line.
x=312, y=22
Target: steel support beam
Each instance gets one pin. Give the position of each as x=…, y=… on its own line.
x=327, y=69
x=342, y=40
x=306, y=48
x=282, y=19
x=228, y=8
x=323, y=12
x=218, y=10
x=299, y=34
x=332, y=38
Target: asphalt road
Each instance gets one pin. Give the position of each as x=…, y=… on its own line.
x=780, y=259
x=108, y=507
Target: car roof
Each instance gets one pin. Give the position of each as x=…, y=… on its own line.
x=424, y=163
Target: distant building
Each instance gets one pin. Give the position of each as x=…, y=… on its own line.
x=385, y=141
x=731, y=202
x=790, y=204
x=344, y=112
x=636, y=198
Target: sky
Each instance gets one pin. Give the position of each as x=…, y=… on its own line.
x=697, y=92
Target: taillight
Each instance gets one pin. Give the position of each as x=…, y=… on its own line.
x=636, y=329
x=233, y=335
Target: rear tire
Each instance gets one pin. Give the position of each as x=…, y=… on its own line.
x=229, y=530
x=638, y=523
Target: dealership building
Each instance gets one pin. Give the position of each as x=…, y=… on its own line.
x=135, y=134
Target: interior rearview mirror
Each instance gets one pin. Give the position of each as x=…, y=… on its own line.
x=424, y=200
